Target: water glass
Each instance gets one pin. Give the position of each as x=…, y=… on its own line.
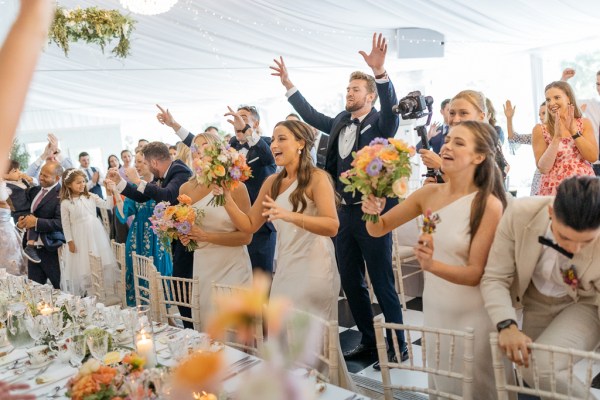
x=98, y=345
x=55, y=323
x=77, y=348
x=36, y=326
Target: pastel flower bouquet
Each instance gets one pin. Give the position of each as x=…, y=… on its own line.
x=171, y=221
x=222, y=165
x=382, y=169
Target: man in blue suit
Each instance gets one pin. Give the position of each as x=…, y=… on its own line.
x=168, y=178
x=258, y=154
x=349, y=131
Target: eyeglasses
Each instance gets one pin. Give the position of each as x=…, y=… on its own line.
x=251, y=109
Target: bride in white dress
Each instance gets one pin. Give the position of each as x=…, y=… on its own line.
x=470, y=204
x=300, y=201
x=221, y=256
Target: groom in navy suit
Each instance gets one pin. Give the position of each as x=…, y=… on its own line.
x=349, y=131
x=168, y=178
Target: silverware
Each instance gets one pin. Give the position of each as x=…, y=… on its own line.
x=241, y=368
x=55, y=394
x=353, y=397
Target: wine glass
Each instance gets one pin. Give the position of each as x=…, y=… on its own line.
x=55, y=323
x=98, y=345
x=3, y=312
x=35, y=326
x=77, y=348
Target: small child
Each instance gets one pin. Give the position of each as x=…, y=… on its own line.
x=84, y=234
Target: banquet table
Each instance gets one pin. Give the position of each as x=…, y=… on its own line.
x=58, y=373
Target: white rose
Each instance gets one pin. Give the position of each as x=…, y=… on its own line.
x=400, y=187
x=92, y=365
x=222, y=158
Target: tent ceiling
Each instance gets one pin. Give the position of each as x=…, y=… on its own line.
x=212, y=53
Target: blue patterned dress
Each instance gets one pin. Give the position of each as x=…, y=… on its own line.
x=143, y=241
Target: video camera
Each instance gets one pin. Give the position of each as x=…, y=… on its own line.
x=414, y=106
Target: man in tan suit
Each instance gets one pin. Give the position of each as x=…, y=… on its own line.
x=526, y=269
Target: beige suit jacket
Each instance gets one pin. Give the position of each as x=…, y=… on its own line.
x=515, y=253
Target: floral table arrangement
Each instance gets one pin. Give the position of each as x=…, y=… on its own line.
x=382, y=169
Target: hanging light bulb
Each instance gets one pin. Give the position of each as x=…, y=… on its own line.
x=148, y=7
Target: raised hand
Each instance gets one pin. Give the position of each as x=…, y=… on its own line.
x=165, y=118
x=281, y=71
x=113, y=175
x=132, y=174
x=96, y=177
x=237, y=121
x=110, y=187
x=376, y=58
x=433, y=130
x=567, y=74
x=509, y=110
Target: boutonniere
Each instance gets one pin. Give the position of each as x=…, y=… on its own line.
x=430, y=221
x=570, y=276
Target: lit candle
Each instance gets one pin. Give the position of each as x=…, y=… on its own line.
x=46, y=310
x=145, y=348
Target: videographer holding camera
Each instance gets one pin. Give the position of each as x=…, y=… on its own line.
x=349, y=131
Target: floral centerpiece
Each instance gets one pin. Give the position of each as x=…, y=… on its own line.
x=221, y=165
x=92, y=25
x=382, y=169
x=171, y=221
x=96, y=381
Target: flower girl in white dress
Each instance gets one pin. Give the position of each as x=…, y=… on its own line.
x=84, y=234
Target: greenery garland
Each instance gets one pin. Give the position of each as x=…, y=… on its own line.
x=92, y=25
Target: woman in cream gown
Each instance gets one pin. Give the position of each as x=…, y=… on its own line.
x=221, y=256
x=300, y=201
x=470, y=204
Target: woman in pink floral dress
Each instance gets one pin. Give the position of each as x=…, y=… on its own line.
x=565, y=144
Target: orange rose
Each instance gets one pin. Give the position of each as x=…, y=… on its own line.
x=219, y=170
x=184, y=199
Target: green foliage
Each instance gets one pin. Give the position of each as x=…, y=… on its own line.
x=19, y=153
x=92, y=25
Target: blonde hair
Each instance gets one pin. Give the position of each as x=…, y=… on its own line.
x=211, y=138
x=371, y=85
x=568, y=90
x=184, y=154
x=477, y=99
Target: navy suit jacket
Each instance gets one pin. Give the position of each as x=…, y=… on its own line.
x=47, y=212
x=382, y=123
x=168, y=190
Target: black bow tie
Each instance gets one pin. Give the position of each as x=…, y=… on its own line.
x=354, y=121
x=244, y=145
x=547, y=242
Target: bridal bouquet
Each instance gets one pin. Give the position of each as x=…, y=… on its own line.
x=171, y=221
x=221, y=165
x=382, y=169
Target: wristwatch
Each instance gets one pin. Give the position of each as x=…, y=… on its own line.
x=576, y=135
x=505, y=324
x=245, y=129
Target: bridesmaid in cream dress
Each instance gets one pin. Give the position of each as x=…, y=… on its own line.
x=300, y=201
x=470, y=204
x=221, y=256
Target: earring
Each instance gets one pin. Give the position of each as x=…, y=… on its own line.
x=300, y=151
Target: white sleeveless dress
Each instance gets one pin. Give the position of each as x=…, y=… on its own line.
x=307, y=271
x=220, y=264
x=451, y=306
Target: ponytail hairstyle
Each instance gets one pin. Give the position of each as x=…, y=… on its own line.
x=488, y=177
x=69, y=177
x=568, y=91
x=301, y=132
x=477, y=99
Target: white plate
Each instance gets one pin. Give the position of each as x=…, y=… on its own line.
x=29, y=365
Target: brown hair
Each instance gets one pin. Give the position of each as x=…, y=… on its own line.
x=156, y=151
x=491, y=112
x=68, y=177
x=301, y=131
x=568, y=90
x=488, y=177
x=371, y=85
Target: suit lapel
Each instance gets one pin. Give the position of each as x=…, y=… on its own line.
x=51, y=194
x=531, y=249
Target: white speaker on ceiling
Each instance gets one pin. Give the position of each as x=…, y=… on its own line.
x=419, y=43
